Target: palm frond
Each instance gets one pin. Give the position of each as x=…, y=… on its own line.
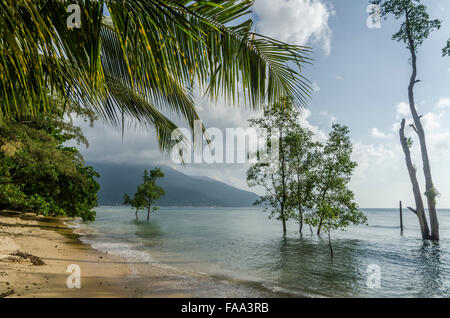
x=190, y=40
x=121, y=100
x=148, y=54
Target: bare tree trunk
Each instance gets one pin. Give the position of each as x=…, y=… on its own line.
x=324, y=192
x=401, y=218
x=300, y=213
x=299, y=191
x=320, y=226
x=148, y=213
x=283, y=181
x=430, y=192
x=283, y=219
x=420, y=210
x=137, y=219
x=329, y=243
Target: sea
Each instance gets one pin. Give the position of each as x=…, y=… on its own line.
x=245, y=247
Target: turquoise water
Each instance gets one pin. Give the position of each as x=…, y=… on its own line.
x=242, y=244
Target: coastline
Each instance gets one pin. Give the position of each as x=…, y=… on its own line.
x=103, y=275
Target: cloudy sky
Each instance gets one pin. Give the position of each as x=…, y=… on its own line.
x=360, y=78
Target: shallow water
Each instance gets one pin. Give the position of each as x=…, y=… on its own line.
x=242, y=244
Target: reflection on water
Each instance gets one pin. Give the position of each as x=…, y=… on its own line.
x=303, y=265
x=242, y=244
x=431, y=271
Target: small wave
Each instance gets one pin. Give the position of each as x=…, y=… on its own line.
x=384, y=226
x=129, y=251
x=278, y=289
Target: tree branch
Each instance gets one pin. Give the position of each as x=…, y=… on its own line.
x=414, y=127
x=412, y=210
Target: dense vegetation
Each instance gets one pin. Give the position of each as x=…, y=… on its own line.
x=39, y=173
x=309, y=181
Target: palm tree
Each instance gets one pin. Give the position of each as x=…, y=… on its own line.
x=139, y=59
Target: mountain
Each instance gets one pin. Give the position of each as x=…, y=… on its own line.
x=181, y=190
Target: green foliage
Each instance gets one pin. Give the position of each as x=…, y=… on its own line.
x=148, y=193
x=143, y=60
x=273, y=176
x=417, y=24
x=335, y=207
x=446, y=49
x=433, y=193
x=39, y=174
x=310, y=180
x=136, y=202
x=409, y=142
x=303, y=157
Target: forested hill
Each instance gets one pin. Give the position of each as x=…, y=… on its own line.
x=181, y=189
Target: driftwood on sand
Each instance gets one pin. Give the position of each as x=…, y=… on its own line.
x=8, y=293
x=34, y=259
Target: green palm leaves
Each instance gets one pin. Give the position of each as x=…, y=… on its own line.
x=142, y=58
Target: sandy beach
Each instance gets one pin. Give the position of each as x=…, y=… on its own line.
x=102, y=275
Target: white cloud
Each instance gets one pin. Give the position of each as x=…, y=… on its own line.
x=431, y=122
x=295, y=21
x=380, y=179
x=403, y=110
x=443, y=103
x=320, y=135
x=136, y=146
x=369, y=155
x=315, y=87
x=376, y=133
x=440, y=146
x=339, y=78
x=331, y=119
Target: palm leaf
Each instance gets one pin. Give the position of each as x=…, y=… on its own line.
x=144, y=59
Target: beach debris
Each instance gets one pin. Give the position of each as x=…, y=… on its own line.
x=12, y=259
x=34, y=259
x=6, y=294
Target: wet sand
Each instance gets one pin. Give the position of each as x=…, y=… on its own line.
x=102, y=274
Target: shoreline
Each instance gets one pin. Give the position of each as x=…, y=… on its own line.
x=103, y=275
